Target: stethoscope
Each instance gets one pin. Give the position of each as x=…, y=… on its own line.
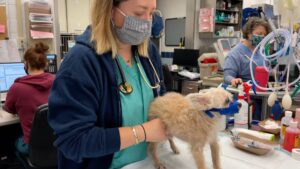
x=125, y=87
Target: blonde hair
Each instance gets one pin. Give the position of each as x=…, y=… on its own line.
x=102, y=29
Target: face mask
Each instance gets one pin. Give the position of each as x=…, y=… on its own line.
x=134, y=31
x=26, y=68
x=256, y=39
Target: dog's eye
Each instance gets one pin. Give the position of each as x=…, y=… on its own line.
x=227, y=101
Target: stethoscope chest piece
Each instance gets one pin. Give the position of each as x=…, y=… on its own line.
x=125, y=88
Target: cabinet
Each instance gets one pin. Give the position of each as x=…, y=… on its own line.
x=189, y=86
x=39, y=23
x=220, y=18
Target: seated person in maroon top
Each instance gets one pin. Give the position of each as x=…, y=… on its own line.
x=30, y=91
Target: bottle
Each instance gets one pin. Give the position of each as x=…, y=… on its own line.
x=223, y=5
x=261, y=76
x=229, y=4
x=291, y=138
x=285, y=122
x=241, y=118
x=231, y=18
x=294, y=39
x=222, y=17
x=297, y=117
x=236, y=18
x=222, y=123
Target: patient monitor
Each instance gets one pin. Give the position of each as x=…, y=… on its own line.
x=222, y=47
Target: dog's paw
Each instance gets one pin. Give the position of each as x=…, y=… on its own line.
x=160, y=166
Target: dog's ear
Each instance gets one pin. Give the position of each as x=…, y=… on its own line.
x=201, y=100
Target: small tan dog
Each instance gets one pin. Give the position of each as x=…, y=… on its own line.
x=184, y=118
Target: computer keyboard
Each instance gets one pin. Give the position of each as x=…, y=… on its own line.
x=188, y=74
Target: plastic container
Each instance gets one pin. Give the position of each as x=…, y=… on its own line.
x=236, y=18
x=261, y=76
x=208, y=64
x=241, y=118
x=222, y=124
x=291, y=138
x=285, y=122
x=270, y=126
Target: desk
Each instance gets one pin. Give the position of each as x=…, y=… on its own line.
x=7, y=119
x=230, y=158
x=181, y=84
x=3, y=96
x=265, y=110
x=10, y=130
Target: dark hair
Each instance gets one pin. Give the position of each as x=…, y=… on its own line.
x=36, y=56
x=117, y=2
x=252, y=23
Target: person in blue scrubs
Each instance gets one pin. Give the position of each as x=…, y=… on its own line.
x=237, y=62
x=99, y=102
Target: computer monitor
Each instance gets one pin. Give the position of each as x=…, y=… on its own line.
x=174, y=31
x=9, y=72
x=187, y=58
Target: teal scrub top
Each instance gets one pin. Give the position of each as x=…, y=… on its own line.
x=134, y=111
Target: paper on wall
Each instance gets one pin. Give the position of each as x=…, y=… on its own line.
x=41, y=35
x=9, y=51
x=13, y=50
x=3, y=51
x=2, y=28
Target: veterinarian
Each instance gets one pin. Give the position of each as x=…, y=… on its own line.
x=236, y=68
x=99, y=103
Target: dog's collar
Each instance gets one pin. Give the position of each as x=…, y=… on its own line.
x=231, y=110
x=210, y=114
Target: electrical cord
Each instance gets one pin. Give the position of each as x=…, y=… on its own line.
x=285, y=49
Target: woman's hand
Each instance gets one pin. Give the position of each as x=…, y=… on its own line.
x=236, y=81
x=155, y=131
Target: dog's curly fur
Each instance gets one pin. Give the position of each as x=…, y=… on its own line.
x=185, y=119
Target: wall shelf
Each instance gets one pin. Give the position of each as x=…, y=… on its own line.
x=217, y=37
x=211, y=35
x=225, y=23
x=226, y=10
x=215, y=16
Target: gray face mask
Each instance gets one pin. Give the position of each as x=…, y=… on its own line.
x=134, y=31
